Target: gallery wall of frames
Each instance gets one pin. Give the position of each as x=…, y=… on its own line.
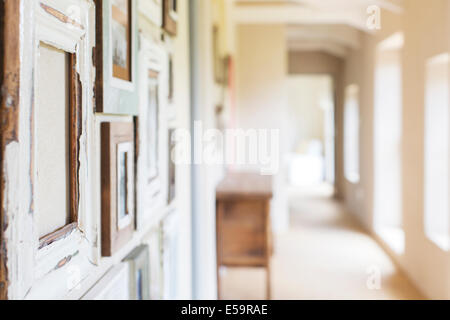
x=89, y=208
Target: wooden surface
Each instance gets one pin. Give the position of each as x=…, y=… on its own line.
x=244, y=184
x=244, y=237
x=9, y=111
x=113, y=134
x=98, y=56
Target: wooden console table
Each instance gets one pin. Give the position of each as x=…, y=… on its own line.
x=244, y=236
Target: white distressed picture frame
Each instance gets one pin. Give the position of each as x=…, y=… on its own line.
x=58, y=268
x=151, y=196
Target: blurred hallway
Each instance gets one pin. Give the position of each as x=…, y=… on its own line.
x=325, y=255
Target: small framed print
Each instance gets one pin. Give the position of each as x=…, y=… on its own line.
x=116, y=57
x=170, y=16
x=121, y=38
x=115, y=285
x=152, y=10
x=125, y=185
x=139, y=282
x=118, y=185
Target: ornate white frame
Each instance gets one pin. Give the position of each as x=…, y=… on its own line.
x=56, y=269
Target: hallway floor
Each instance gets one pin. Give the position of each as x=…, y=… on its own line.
x=325, y=255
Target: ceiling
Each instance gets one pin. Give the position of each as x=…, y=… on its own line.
x=332, y=26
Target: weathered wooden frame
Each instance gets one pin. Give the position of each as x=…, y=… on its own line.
x=40, y=269
x=114, y=236
x=153, y=191
x=170, y=18
x=9, y=108
x=114, y=95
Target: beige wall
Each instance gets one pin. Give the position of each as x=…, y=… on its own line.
x=426, y=33
x=306, y=93
x=261, y=93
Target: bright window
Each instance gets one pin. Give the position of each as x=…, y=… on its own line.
x=437, y=150
x=351, y=133
x=388, y=216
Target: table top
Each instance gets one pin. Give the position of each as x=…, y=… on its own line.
x=244, y=185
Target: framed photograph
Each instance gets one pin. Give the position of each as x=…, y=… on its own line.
x=116, y=57
x=152, y=10
x=115, y=285
x=125, y=185
x=138, y=263
x=170, y=16
x=121, y=39
x=118, y=185
x=171, y=167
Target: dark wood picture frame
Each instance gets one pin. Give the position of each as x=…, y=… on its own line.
x=75, y=129
x=170, y=8
x=112, y=136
